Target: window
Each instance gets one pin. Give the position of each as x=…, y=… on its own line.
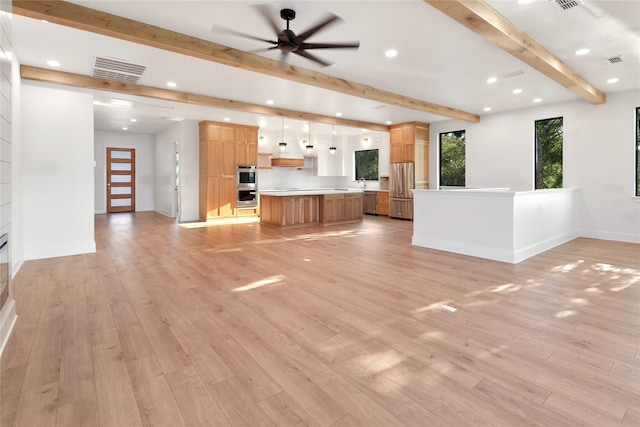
x=549, y=153
x=638, y=152
x=452, y=158
x=366, y=164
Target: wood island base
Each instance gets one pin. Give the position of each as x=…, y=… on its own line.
x=306, y=209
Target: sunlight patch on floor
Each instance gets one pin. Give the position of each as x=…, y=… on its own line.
x=260, y=283
x=432, y=307
x=380, y=361
x=218, y=222
x=567, y=267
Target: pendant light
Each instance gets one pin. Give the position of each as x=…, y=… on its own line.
x=309, y=146
x=332, y=149
x=282, y=144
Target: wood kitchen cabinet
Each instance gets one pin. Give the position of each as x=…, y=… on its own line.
x=382, y=203
x=409, y=142
x=337, y=208
x=333, y=208
x=289, y=211
x=223, y=146
x=247, y=146
x=353, y=207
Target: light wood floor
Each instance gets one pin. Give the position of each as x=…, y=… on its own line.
x=245, y=325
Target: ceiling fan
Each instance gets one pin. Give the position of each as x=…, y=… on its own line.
x=288, y=42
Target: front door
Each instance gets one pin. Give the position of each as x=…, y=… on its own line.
x=121, y=179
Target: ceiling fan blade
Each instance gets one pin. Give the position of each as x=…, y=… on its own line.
x=305, y=46
x=219, y=29
x=267, y=49
x=330, y=19
x=267, y=15
x=312, y=57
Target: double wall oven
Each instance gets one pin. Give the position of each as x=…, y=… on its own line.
x=247, y=184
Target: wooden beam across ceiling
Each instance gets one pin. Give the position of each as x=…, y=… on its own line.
x=88, y=82
x=95, y=21
x=481, y=18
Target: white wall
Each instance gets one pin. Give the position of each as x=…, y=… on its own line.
x=58, y=162
x=143, y=144
x=187, y=136
x=189, y=149
x=598, y=158
x=9, y=139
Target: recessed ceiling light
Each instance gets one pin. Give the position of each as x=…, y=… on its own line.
x=53, y=63
x=583, y=51
x=492, y=80
x=613, y=80
x=171, y=84
x=525, y=1
x=226, y=119
x=270, y=102
x=487, y=108
x=536, y=100
x=517, y=91
x=133, y=120
x=391, y=53
x=389, y=122
x=125, y=128
x=338, y=114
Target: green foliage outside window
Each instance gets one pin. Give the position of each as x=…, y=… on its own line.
x=366, y=164
x=549, y=153
x=452, y=158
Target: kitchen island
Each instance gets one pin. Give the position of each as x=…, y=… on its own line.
x=296, y=208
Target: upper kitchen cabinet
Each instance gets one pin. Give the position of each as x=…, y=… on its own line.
x=409, y=142
x=247, y=145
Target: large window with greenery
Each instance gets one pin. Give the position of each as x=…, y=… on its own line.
x=366, y=164
x=452, y=158
x=549, y=153
x=638, y=152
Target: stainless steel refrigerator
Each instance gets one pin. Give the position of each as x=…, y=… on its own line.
x=401, y=181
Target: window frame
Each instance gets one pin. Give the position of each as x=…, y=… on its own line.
x=536, y=184
x=355, y=164
x=440, y=135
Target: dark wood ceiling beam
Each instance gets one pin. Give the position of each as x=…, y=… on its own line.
x=87, y=19
x=481, y=18
x=88, y=82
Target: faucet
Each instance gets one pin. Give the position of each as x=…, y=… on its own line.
x=364, y=183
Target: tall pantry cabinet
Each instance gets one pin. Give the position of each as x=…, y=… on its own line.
x=223, y=146
x=409, y=142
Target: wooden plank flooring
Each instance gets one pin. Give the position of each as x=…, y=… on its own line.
x=243, y=325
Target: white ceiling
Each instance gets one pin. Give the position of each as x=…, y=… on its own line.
x=438, y=60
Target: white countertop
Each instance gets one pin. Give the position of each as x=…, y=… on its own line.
x=310, y=191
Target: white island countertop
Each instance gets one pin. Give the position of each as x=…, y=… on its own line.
x=308, y=191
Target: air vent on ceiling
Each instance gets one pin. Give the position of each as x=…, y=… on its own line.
x=567, y=4
x=512, y=74
x=615, y=59
x=118, y=70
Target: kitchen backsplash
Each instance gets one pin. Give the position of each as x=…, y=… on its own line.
x=286, y=178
